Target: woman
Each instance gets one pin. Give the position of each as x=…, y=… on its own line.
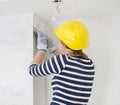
x=73, y=69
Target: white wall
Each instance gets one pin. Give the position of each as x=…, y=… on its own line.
x=39, y=83
x=104, y=50
x=16, y=51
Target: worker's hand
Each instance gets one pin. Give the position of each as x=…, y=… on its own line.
x=51, y=47
x=50, y=43
x=41, y=41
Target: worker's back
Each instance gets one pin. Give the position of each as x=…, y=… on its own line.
x=74, y=84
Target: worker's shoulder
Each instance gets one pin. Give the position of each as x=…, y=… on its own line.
x=79, y=59
x=68, y=58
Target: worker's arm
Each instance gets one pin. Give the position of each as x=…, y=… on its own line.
x=38, y=57
x=53, y=65
x=42, y=48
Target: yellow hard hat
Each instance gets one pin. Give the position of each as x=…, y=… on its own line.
x=73, y=34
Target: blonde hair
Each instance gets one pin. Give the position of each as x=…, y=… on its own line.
x=79, y=53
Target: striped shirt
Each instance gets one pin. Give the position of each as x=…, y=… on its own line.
x=73, y=80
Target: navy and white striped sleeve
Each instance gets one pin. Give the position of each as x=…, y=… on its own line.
x=53, y=65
